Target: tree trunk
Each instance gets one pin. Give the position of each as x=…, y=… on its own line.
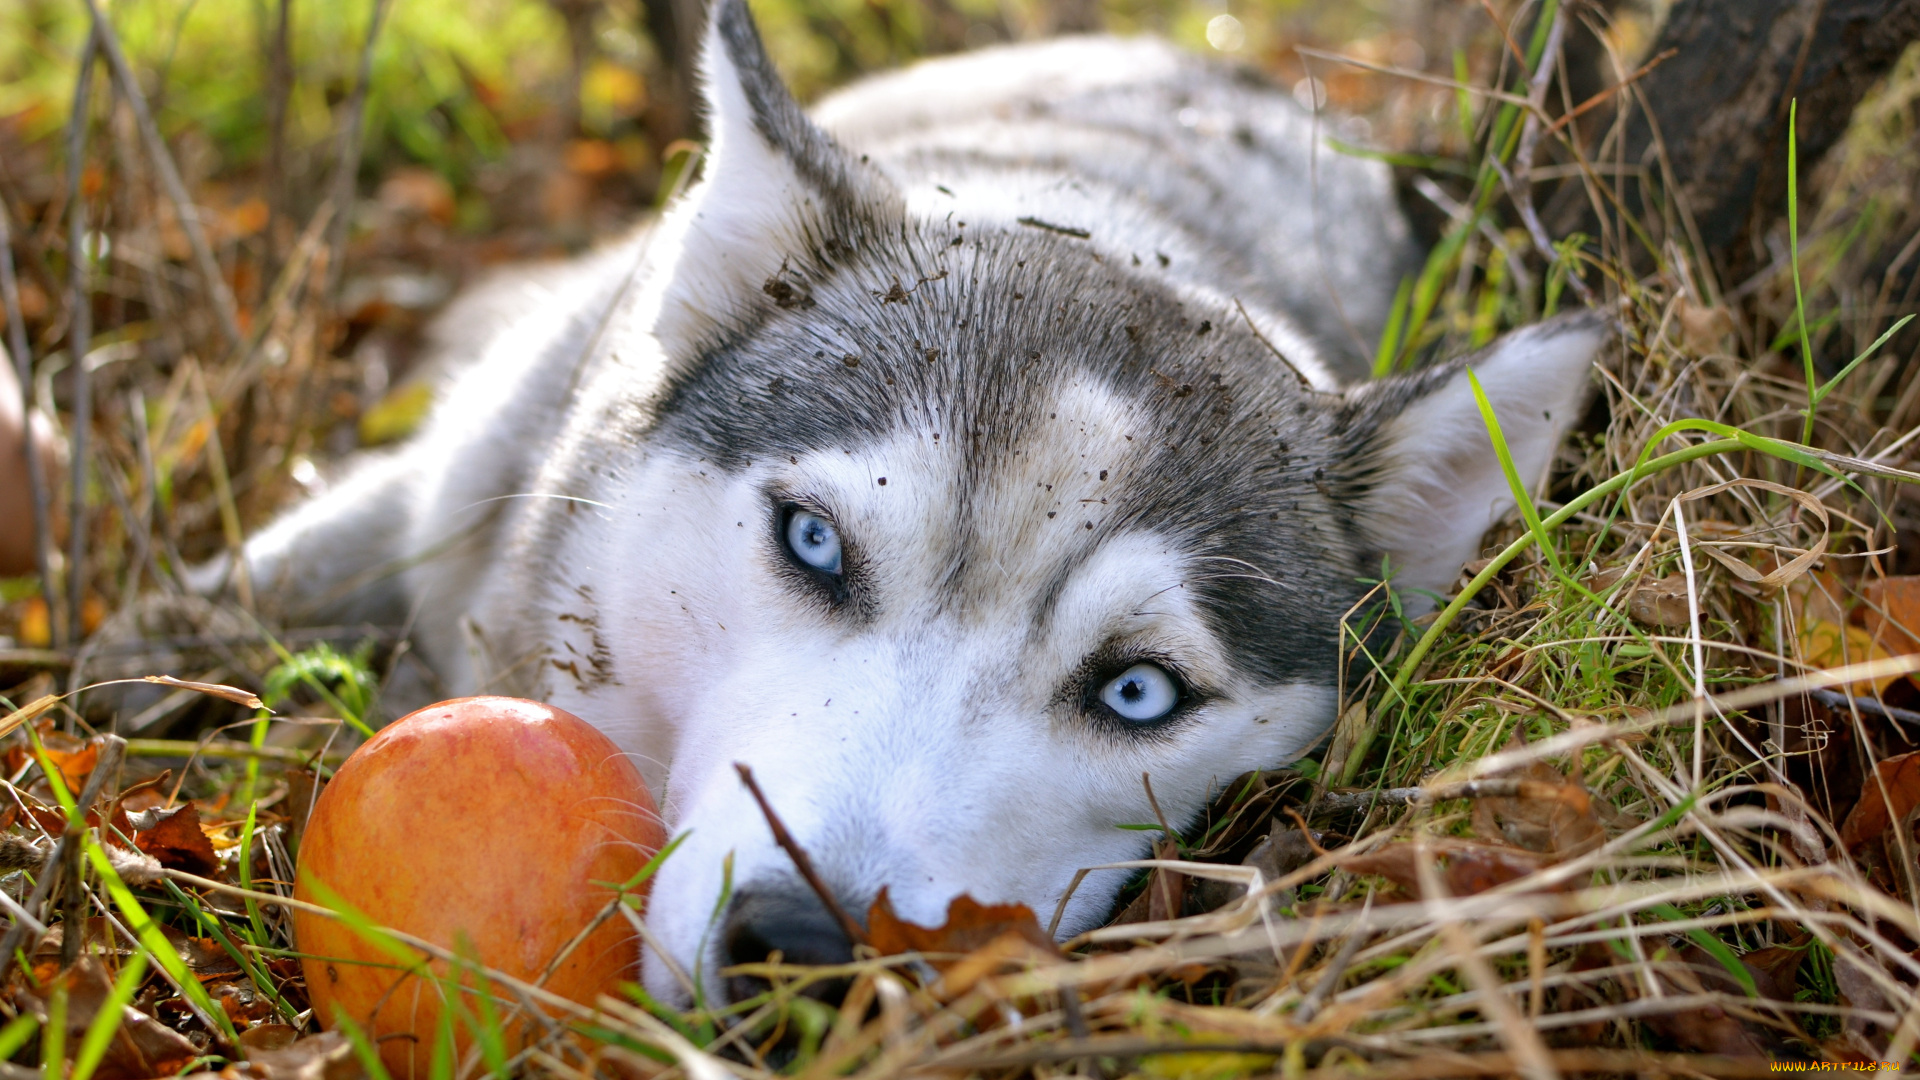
x=1720, y=104
x=674, y=27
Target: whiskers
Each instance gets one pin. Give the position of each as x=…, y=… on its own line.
x=477, y=503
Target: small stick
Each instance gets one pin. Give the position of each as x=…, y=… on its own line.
x=79, y=341
x=798, y=854
x=107, y=764
x=1335, y=802
x=1834, y=699
x=183, y=206
x=1166, y=830
x=347, y=166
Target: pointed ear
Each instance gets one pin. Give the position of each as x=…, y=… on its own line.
x=1428, y=482
x=776, y=195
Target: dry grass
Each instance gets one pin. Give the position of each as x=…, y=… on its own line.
x=1590, y=818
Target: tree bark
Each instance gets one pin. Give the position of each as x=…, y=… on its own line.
x=674, y=27
x=1720, y=104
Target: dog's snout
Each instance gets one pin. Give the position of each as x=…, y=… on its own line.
x=789, y=921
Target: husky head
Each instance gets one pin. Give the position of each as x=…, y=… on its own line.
x=955, y=533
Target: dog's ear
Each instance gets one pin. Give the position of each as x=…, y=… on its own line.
x=1422, y=467
x=777, y=194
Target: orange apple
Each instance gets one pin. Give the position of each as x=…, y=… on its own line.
x=488, y=824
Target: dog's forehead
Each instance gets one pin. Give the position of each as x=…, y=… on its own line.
x=1041, y=516
x=1013, y=387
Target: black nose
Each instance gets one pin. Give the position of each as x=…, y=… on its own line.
x=790, y=921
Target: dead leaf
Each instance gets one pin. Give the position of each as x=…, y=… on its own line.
x=268, y=1037
x=1871, y=816
x=177, y=841
x=1711, y=1029
x=1282, y=852
x=970, y=925
x=1707, y=1030
x=1350, y=732
x=1704, y=329
x=1857, y=989
x=1661, y=603
x=75, y=767
x=1825, y=644
x=143, y=1048
x=1776, y=969
x=1464, y=867
x=1553, y=815
x=1893, y=614
x=326, y=1056
x=146, y=794
x=1817, y=597
x=241, y=1002
x=978, y=940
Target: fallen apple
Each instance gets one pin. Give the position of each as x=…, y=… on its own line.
x=488, y=825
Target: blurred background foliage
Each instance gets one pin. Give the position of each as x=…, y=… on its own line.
x=460, y=87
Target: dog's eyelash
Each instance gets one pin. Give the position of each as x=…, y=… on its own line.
x=836, y=587
x=1082, y=692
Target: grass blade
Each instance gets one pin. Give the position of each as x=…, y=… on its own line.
x=1521, y=496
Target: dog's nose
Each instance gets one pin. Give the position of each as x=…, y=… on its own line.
x=789, y=921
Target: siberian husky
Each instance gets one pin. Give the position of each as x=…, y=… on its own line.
x=953, y=457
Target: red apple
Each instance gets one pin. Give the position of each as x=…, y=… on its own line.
x=488, y=823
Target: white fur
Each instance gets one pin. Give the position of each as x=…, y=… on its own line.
x=925, y=752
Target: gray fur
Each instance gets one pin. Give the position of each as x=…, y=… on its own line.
x=1056, y=336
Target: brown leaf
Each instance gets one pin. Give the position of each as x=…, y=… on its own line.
x=1705, y=329
x=143, y=1047
x=1708, y=1029
x=1775, y=969
x=1870, y=816
x=970, y=925
x=147, y=794
x=1464, y=867
x=1818, y=596
x=77, y=766
x=1893, y=614
x=266, y=1038
x=1661, y=603
x=178, y=842
x=1554, y=816
x=241, y=1002
x=326, y=1056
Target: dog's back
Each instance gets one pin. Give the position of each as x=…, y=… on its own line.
x=1160, y=156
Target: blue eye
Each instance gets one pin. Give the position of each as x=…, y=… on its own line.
x=1142, y=694
x=814, y=541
